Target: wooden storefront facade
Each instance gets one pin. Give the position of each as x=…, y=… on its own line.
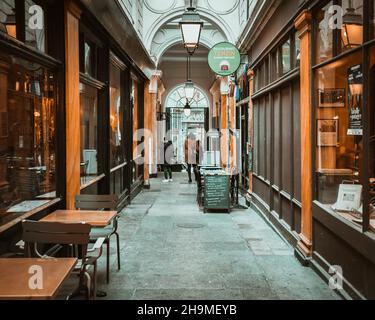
x=310, y=83
x=83, y=99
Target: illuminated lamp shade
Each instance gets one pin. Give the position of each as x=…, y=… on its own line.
x=352, y=29
x=191, y=28
x=10, y=25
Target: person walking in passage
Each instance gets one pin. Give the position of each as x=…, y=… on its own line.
x=168, y=156
x=193, y=153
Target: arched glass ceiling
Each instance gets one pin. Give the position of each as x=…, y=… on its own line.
x=177, y=99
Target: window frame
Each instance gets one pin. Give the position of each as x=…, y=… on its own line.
x=13, y=46
x=96, y=80
x=273, y=63
x=20, y=12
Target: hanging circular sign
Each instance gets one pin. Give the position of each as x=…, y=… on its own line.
x=224, y=59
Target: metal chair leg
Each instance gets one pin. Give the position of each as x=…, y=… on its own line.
x=88, y=285
x=118, y=251
x=94, y=281
x=108, y=256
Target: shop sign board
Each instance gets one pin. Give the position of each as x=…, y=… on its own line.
x=216, y=192
x=224, y=59
x=355, y=80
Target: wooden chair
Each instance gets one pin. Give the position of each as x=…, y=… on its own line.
x=84, y=167
x=76, y=236
x=102, y=202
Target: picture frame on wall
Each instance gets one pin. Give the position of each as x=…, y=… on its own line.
x=327, y=132
x=332, y=98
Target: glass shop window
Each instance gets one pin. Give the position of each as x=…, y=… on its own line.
x=339, y=136
x=286, y=57
x=88, y=58
x=256, y=80
x=324, y=41
x=117, y=154
x=8, y=17
x=35, y=28
x=297, y=50
x=352, y=28
x=134, y=105
x=27, y=136
x=137, y=169
x=275, y=65
x=89, y=132
x=266, y=71
x=372, y=140
x=260, y=76
x=33, y=23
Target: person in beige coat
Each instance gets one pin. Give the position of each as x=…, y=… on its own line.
x=193, y=154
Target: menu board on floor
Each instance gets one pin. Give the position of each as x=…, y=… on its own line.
x=216, y=192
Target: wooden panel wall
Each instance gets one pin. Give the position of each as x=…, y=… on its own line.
x=276, y=165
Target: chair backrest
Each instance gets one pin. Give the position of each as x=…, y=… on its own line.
x=49, y=233
x=56, y=233
x=84, y=167
x=96, y=202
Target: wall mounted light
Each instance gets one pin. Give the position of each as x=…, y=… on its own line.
x=11, y=25
x=352, y=28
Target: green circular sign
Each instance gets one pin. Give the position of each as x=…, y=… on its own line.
x=224, y=59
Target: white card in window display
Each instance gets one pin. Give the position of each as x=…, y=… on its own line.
x=90, y=157
x=349, y=198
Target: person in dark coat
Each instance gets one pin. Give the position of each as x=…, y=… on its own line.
x=168, y=156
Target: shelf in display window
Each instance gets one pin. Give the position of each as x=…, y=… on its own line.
x=336, y=172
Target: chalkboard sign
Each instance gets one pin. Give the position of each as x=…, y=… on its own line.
x=216, y=192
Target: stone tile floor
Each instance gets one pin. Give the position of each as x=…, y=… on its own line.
x=171, y=250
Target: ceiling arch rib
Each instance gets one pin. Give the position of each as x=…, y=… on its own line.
x=171, y=19
x=157, y=51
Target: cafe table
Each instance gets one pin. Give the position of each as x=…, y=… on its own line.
x=16, y=277
x=96, y=219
